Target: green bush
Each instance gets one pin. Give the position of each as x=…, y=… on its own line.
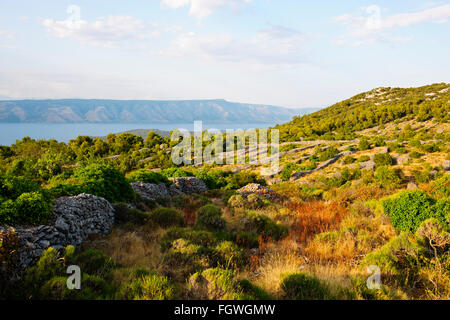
x=209, y=218
x=399, y=258
x=13, y=187
x=48, y=266
x=387, y=178
x=383, y=159
x=241, y=179
x=348, y=160
x=230, y=255
x=123, y=214
x=166, y=217
x=33, y=208
x=176, y=173
x=415, y=155
x=95, y=262
x=288, y=170
x=255, y=201
x=104, y=181
x=327, y=154
x=262, y=224
x=92, y=288
x=214, y=284
x=237, y=201
x=252, y=292
x=198, y=237
x=408, y=209
x=363, y=158
x=149, y=287
x=301, y=286
x=363, y=144
x=147, y=176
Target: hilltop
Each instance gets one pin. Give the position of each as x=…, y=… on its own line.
x=369, y=109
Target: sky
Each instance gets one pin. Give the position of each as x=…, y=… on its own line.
x=288, y=53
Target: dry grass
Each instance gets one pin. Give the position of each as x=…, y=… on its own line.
x=272, y=261
x=359, y=233
x=140, y=247
x=311, y=218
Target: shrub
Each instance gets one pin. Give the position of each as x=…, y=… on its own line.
x=104, y=181
x=243, y=178
x=95, y=262
x=147, y=176
x=363, y=158
x=32, y=208
x=363, y=144
x=48, y=266
x=387, y=178
x=328, y=154
x=399, y=258
x=13, y=187
x=209, y=218
x=166, y=217
x=348, y=160
x=92, y=288
x=266, y=226
x=415, y=155
x=301, y=286
x=408, y=209
x=214, y=284
x=176, y=173
x=255, y=201
x=237, y=201
x=123, y=214
x=198, y=237
x=383, y=159
x=287, y=171
x=149, y=287
x=9, y=243
x=434, y=236
x=252, y=292
x=230, y=255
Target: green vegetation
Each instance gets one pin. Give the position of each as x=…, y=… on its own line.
x=409, y=209
x=367, y=110
x=312, y=238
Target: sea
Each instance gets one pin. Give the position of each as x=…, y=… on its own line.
x=10, y=132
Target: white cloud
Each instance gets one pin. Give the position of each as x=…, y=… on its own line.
x=272, y=47
x=373, y=26
x=202, y=8
x=6, y=34
x=109, y=32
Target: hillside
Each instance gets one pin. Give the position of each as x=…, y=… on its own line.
x=143, y=228
x=369, y=109
x=140, y=111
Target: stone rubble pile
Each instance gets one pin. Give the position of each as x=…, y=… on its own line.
x=260, y=190
x=73, y=220
x=180, y=186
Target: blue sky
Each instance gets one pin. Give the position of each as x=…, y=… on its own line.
x=282, y=52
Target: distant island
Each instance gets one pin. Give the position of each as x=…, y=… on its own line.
x=141, y=111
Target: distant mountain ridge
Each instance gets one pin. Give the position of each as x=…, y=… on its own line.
x=141, y=111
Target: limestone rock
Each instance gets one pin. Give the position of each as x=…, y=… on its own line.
x=255, y=188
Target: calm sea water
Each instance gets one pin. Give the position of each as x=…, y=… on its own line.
x=10, y=132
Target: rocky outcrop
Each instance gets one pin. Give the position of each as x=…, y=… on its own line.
x=446, y=165
x=260, y=190
x=188, y=185
x=180, y=186
x=367, y=165
x=150, y=190
x=72, y=221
